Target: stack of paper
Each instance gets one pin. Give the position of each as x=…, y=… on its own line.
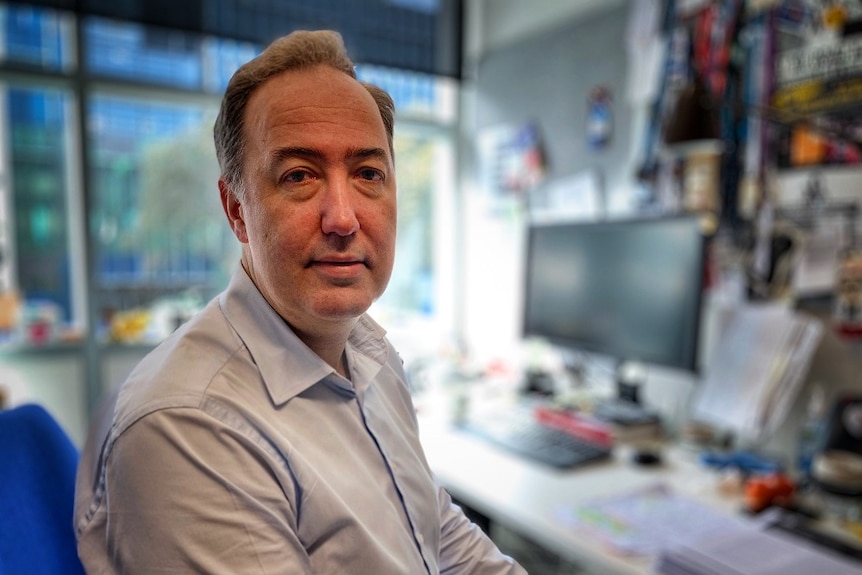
x=757, y=370
x=748, y=550
x=687, y=537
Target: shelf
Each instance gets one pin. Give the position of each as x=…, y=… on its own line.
x=12, y=349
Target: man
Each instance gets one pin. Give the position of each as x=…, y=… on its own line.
x=273, y=433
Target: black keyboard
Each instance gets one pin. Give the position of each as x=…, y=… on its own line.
x=522, y=434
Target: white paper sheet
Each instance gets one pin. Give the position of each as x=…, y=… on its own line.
x=749, y=550
x=757, y=369
x=645, y=521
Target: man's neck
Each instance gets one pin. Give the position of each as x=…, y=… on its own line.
x=327, y=339
x=330, y=348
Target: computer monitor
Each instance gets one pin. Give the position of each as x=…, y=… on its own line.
x=628, y=289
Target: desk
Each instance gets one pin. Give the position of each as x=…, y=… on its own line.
x=524, y=496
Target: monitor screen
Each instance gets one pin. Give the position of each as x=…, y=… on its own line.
x=628, y=289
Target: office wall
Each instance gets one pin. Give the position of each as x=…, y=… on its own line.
x=548, y=78
x=57, y=379
x=54, y=380
x=545, y=77
x=493, y=24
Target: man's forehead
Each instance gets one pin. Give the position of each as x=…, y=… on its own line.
x=301, y=109
x=311, y=95
x=315, y=86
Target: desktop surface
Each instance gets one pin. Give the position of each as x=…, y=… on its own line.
x=533, y=499
x=528, y=497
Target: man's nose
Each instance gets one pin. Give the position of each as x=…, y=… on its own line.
x=338, y=213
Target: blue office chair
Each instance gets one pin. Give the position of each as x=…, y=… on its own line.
x=37, y=490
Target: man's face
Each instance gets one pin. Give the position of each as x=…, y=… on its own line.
x=319, y=215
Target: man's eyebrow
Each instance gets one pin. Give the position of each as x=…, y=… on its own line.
x=282, y=154
x=365, y=153
x=285, y=153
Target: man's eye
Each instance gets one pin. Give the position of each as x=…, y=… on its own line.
x=296, y=177
x=371, y=175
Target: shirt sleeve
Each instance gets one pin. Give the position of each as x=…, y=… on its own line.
x=464, y=547
x=190, y=494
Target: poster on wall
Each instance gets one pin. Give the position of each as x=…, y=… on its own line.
x=819, y=79
x=816, y=101
x=511, y=159
x=600, y=126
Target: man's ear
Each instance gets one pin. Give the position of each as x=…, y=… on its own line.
x=233, y=211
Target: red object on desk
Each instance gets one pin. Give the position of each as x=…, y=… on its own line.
x=579, y=425
x=765, y=490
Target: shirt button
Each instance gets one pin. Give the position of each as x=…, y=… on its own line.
x=420, y=539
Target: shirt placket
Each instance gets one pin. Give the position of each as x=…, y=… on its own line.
x=393, y=467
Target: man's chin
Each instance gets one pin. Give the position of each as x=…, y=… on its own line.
x=342, y=310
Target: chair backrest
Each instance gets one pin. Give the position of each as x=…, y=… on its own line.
x=37, y=488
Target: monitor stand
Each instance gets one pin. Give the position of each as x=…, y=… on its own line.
x=630, y=378
x=627, y=409
x=539, y=382
x=554, y=383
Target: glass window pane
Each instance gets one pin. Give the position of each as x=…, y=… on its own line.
x=429, y=6
x=411, y=285
x=38, y=160
x=156, y=213
x=222, y=58
x=416, y=95
x=36, y=36
x=144, y=54
x=418, y=303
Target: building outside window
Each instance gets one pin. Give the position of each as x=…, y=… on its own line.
x=37, y=153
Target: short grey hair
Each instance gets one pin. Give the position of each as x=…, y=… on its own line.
x=297, y=50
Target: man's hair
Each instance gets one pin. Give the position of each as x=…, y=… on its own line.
x=298, y=50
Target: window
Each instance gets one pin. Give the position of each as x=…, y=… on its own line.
x=36, y=37
x=37, y=156
x=417, y=307
x=37, y=227
x=417, y=96
x=154, y=228
x=134, y=52
x=155, y=210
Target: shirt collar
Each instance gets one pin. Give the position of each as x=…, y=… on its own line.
x=288, y=366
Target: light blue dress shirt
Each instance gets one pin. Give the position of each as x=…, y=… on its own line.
x=232, y=448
